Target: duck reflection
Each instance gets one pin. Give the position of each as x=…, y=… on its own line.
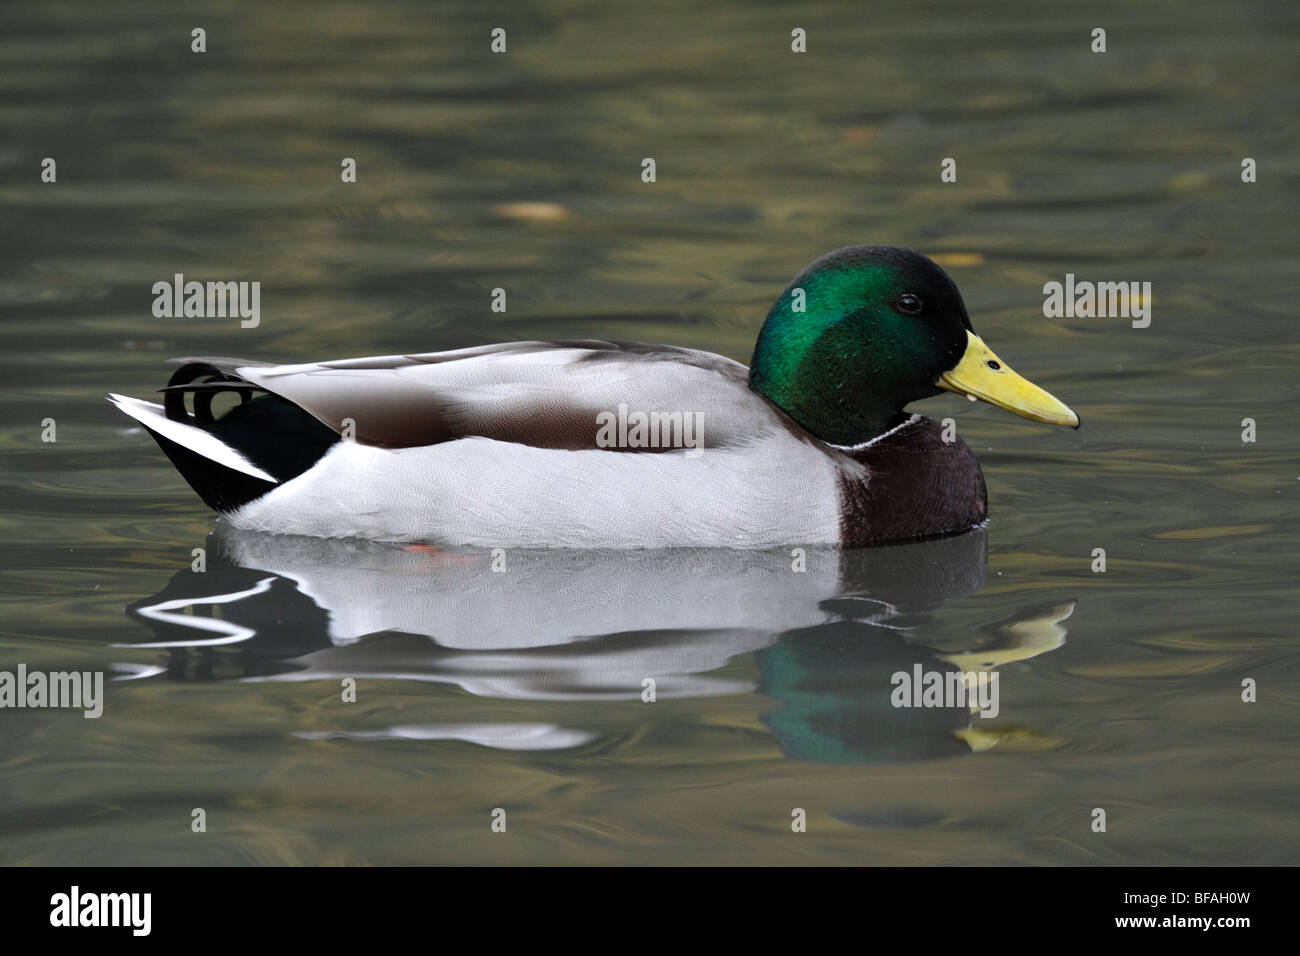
x=828, y=629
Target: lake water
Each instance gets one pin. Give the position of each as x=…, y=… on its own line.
x=522, y=690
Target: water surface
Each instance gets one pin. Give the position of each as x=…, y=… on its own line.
x=522, y=689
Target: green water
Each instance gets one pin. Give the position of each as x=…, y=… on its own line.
x=522, y=690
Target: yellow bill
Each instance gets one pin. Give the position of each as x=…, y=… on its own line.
x=981, y=374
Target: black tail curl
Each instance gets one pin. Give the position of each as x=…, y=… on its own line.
x=273, y=433
x=204, y=382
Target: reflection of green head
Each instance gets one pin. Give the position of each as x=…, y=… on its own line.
x=855, y=337
x=834, y=684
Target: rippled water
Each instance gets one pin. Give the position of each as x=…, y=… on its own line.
x=522, y=690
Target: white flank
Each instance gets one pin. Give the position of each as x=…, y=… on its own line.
x=772, y=491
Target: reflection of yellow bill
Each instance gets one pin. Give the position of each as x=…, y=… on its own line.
x=981, y=374
x=1021, y=640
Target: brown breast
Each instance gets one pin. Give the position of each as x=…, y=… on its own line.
x=917, y=486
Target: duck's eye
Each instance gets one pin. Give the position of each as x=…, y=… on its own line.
x=909, y=303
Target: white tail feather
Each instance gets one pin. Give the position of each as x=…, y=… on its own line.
x=154, y=417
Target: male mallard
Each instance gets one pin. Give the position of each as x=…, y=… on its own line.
x=605, y=444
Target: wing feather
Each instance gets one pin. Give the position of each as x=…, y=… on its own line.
x=544, y=394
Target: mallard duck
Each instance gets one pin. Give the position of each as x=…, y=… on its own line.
x=608, y=444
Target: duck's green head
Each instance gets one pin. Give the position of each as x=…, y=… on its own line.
x=865, y=330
